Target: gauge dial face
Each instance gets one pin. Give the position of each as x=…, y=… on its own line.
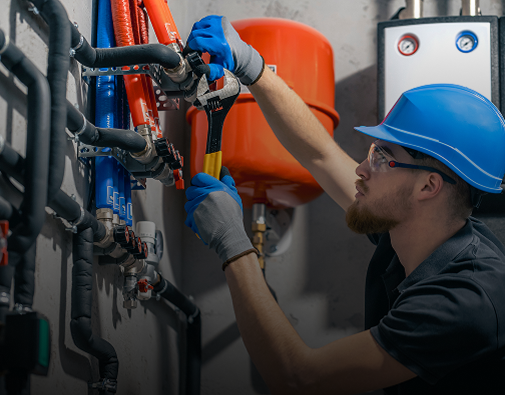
x=408, y=45
x=466, y=42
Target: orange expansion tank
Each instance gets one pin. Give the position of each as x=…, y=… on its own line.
x=264, y=171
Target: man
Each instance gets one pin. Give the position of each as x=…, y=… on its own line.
x=435, y=291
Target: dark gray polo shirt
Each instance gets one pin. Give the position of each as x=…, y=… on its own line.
x=446, y=321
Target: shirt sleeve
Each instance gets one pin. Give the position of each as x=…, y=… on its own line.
x=437, y=326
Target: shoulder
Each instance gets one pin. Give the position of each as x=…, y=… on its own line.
x=451, y=316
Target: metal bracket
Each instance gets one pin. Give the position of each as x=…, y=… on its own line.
x=138, y=170
x=168, y=93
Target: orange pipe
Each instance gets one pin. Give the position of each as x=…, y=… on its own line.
x=163, y=22
x=138, y=88
x=143, y=22
x=143, y=36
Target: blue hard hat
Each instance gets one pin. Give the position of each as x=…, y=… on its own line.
x=453, y=124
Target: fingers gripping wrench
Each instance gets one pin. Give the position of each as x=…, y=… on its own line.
x=216, y=104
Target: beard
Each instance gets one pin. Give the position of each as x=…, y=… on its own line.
x=361, y=219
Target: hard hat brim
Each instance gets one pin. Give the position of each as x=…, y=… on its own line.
x=392, y=135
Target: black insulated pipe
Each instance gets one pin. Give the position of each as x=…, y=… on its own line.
x=24, y=279
x=193, y=332
x=6, y=209
x=36, y=167
x=82, y=301
x=121, y=56
x=56, y=17
x=12, y=163
x=88, y=133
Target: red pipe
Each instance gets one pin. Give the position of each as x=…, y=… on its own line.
x=163, y=22
x=126, y=31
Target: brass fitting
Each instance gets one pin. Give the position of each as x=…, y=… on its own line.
x=105, y=216
x=179, y=73
x=259, y=227
x=166, y=177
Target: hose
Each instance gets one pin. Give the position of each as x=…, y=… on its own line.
x=36, y=167
x=12, y=163
x=163, y=23
x=193, y=332
x=24, y=279
x=106, y=114
x=82, y=301
x=143, y=111
x=127, y=140
x=125, y=56
x=6, y=209
x=56, y=17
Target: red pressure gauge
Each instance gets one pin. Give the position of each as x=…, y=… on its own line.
x=408, y=44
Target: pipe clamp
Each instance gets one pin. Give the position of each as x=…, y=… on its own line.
x=192, y=317
x=83, y=127
x=5, y=298
x=73, y=50
x=6, y=44
x=74, y=224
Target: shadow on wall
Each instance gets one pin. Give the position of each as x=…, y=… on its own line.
x=337, y=258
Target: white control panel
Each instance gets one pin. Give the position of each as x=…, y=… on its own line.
x=431, y=53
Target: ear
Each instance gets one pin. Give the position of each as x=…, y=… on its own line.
x=430, y=186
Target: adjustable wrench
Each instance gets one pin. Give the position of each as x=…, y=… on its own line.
x=216, y=104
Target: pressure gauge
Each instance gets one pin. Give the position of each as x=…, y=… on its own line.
x=466, y=41
x=408, y=45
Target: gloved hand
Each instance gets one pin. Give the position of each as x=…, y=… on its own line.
x=215, y=35
x=215, y=214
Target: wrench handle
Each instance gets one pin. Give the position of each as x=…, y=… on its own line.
x=212, y=163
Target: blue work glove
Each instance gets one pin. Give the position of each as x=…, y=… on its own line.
x=215, y=35
x=215, y=214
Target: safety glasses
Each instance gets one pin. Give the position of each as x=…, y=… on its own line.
x=380, y=160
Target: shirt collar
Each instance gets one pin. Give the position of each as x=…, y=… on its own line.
x=442, y=256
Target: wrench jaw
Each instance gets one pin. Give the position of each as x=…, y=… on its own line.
x=206, y=98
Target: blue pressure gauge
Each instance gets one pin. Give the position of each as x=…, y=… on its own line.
x=466, y=41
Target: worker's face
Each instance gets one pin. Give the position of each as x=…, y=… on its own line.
x=384, y=197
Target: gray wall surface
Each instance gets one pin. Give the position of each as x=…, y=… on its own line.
x=319, y=281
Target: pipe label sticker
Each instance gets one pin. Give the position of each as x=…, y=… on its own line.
x=129, y=214
x=110, y=196
x=122, y=207
x=116, y=201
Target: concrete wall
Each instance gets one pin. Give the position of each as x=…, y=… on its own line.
x=319, y=281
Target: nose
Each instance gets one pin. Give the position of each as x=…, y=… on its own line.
x=363, y=170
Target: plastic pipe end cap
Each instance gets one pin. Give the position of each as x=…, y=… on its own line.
x=146, y=230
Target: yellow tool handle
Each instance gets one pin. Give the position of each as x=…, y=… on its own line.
x=212, y=164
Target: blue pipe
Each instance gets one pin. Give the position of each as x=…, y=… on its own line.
x=105, y=111
x=124, y=112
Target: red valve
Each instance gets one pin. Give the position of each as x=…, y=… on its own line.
x=4, y=231
x=144, y=286
x=179, y=181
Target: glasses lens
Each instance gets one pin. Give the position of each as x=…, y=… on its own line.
x=377, y=158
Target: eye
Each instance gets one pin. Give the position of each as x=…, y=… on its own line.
x=380, y=157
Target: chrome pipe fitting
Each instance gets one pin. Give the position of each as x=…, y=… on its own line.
x=470, y=8
x=149, y=153
x=413, y=10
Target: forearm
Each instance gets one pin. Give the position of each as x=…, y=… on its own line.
x=289, y=117
x=301, y=133
x=272, y=342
